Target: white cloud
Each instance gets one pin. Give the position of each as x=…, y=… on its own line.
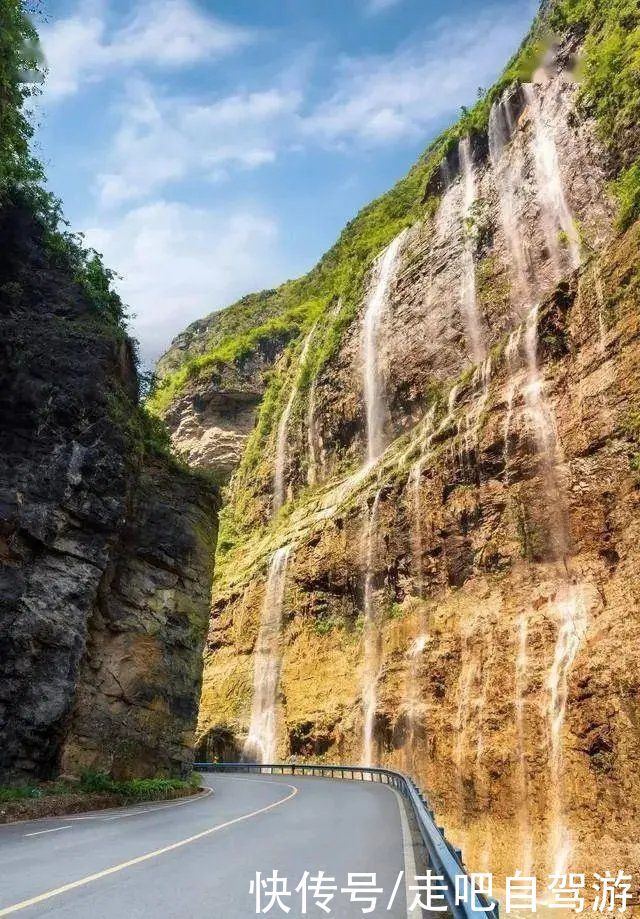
x=160, y=33
x=163, y=139
x=386, y=98
x=179, y=263
x=373, y=7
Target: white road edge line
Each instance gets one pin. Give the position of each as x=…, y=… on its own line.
x=158, y=807
x=56, y=829
x=32, y=901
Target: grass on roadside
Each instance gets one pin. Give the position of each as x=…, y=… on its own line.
x=100, y=783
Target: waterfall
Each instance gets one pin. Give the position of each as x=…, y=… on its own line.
x=511, y=354
x=571, y=612
x=557, y=219
x=372, y=638
x=508, y=170
x=563, y=243
x=467, y=679
x=543, y=421
x=481, y=383
x=526, y=863
x=415, y=483
x=283, y=430
x=412, y=695
x=383, y=276
x=261, y=743
x=468, y=289
x=312, y=437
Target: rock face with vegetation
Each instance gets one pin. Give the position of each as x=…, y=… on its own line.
x=106, y=547
x=106, y=543
x=428, y=555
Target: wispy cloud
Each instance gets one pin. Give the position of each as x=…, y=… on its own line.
x=82, y=49
x=370, y=101
x=163, y=139
x=179, y=262
x=386, y=98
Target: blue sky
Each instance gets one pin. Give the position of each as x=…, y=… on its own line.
x=213, y=147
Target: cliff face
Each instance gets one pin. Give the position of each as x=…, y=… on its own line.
x=105, y=552
x=449, y=584
x=211, y=420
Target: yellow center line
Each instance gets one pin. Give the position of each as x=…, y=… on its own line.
x=24, y=904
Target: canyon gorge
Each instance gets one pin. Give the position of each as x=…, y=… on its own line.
x=386, y=513
x=428, y=554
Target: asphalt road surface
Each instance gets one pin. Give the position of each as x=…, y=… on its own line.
x=198, y=857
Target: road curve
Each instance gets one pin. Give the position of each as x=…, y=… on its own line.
x=197, y=857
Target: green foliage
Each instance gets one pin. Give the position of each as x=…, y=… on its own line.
x=148, y=789
x=231, y=350
x=147, y=434
x=627, y=189
x=19, y=793
x=323, y=625
x=67, y=252
x=340, y=275
x=20, y=72
x=92, y=782
x=22, y=176
x=610, y=76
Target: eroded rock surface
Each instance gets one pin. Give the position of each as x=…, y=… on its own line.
x=478, y=580
x=101, y=548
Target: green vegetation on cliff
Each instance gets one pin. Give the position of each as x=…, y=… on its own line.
x=22, y=176
x=20, y=61
x=611, y=91
x=610, y=77
x=331, y=293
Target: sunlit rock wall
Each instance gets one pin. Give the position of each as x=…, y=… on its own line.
x=479, y=578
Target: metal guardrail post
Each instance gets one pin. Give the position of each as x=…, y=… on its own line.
x=444, y=858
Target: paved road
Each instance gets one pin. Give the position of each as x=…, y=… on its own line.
x=196, y=858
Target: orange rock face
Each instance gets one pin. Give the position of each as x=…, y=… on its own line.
x=491, y=611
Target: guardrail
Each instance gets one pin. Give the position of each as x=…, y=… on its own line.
x=444, y=859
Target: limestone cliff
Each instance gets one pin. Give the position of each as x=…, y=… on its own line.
x=429, y=551
x=106, y=546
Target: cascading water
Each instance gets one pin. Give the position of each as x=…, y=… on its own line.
x=372, y=638
x=559, y=226
x=312, y=437
x=571, y=612
x=511, y=353
x=283, y=429
x=468, y=287
x=412, y=696
x=564, y=247
x=383, y=276
x=508, y=170
x=261, y=743
x=473, y=422
x=415, y=485
x=467, y=681
x=543, y=422
x=526, y=843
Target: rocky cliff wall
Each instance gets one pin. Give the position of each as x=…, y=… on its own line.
x=450, y=580
x=105, y=552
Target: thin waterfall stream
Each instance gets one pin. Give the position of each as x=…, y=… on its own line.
x=283, y=430
x=372, y=638
x=468, y=286
x=384, y=274
x=262, y=740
